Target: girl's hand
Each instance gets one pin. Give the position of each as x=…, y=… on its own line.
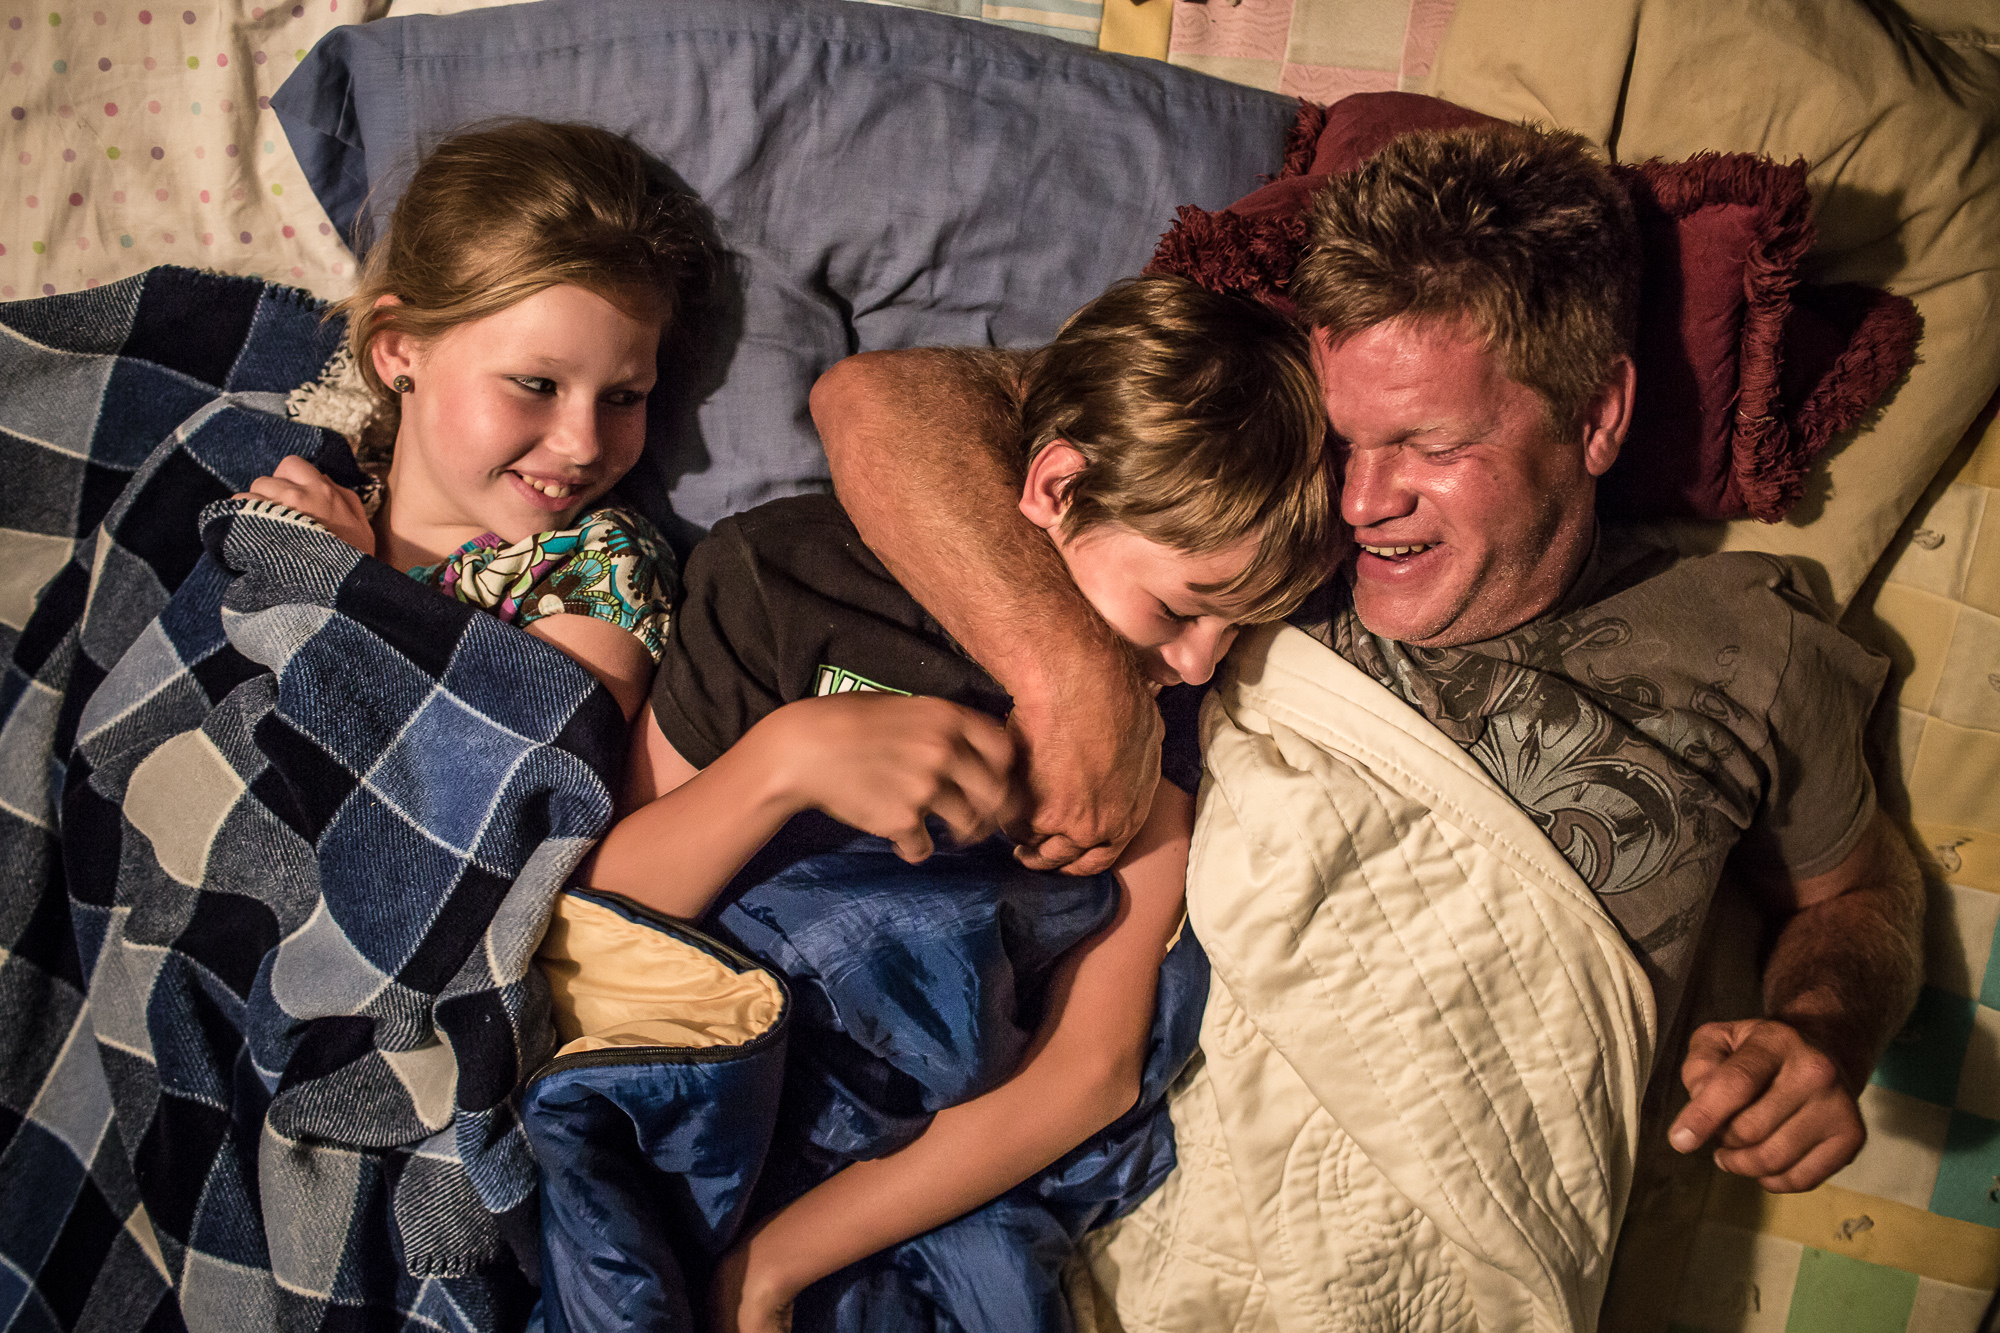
x=882, y=762
x=739, y=1301
x=302, y=486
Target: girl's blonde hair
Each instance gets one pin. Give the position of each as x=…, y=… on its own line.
x=497, y=213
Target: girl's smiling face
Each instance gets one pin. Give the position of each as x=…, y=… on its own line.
x=516, y=422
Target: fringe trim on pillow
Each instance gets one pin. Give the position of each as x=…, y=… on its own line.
x=1880, y=349
x=1761, y=444
x=1302, y=140
x=1226, y=252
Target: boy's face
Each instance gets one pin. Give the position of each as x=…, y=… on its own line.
x=1142, y=589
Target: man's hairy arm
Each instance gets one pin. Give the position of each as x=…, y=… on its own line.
x=925, y=457
x=1777, y=1094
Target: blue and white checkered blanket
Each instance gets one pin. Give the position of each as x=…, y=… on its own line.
x=279, y=832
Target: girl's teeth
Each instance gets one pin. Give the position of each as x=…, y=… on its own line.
x=553, y=489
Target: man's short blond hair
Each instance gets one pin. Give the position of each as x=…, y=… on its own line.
x=1200, y=425
x=1519, y=235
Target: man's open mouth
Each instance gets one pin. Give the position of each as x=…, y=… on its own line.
x=1396, y=552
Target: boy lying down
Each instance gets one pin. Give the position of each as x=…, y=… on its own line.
x=1173, y=444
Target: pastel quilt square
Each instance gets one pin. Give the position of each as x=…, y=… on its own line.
x=1945, y=1307
x=1979, y=1074
x=1924, y=1058
x=1905, y=1139
x=1253, y=30
x=1968, y=692
x=1850, y=1295
x=1959, y=926
x=1736, y=1281
x=1968, y=1177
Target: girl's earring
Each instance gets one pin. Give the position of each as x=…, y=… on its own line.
x=402, y=384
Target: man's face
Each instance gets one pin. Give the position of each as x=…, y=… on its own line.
x=1471, y=515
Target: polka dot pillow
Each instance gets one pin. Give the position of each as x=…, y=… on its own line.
x=139, y=132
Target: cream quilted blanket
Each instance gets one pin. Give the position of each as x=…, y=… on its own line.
x=1424, y=1046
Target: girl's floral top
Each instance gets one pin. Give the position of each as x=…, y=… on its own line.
x=612, y=565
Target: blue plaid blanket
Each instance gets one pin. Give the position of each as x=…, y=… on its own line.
x=279, y=832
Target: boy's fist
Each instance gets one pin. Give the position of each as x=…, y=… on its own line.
x=883, y=762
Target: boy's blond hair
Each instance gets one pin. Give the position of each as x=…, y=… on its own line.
x=1200, y=425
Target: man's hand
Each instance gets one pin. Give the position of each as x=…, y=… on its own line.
x=1772, y=1101
x=1777, y=1094
x=1089, y=763
x=926, y=456
x=303, y=487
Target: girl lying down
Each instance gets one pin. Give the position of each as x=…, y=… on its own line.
x=512, y=316
x=1172, y=442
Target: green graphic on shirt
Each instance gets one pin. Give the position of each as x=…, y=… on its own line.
x=839, y=680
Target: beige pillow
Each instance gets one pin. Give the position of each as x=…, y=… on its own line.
x=1901, y=127
x=140, y=133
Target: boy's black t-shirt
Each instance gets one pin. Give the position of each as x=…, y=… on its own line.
x=785, y=603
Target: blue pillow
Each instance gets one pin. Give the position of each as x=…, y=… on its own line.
x=886, y=178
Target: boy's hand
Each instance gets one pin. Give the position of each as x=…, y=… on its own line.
x=1772, y=1101
x=882, y=762
x=302, y=486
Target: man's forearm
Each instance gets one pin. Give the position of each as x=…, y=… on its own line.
x=1846, y=968
x=924, y=449
x=925, y=456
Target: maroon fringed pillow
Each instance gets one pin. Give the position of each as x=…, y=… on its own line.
x=1744, y=376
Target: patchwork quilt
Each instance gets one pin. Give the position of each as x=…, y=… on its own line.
x=279, y=830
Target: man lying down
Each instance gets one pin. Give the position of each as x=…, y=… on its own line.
x=1424, y=1047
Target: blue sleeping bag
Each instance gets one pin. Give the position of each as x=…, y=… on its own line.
x=908, y=989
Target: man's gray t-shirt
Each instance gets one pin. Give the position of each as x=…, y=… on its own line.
x=1666, y=712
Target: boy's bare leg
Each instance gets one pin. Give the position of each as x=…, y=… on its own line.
x=922, y=446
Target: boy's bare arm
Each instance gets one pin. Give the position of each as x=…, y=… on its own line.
x=1081, y=1073
x=922, y=446
x=876, y=762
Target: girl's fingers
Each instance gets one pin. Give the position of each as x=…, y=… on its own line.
x=293, y=468
x=280, y=492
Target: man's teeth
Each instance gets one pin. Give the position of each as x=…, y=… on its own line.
x=555, y=490
x=1389, y=552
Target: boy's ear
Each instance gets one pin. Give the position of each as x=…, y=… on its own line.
x=393, y=351
x=1042, y=501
